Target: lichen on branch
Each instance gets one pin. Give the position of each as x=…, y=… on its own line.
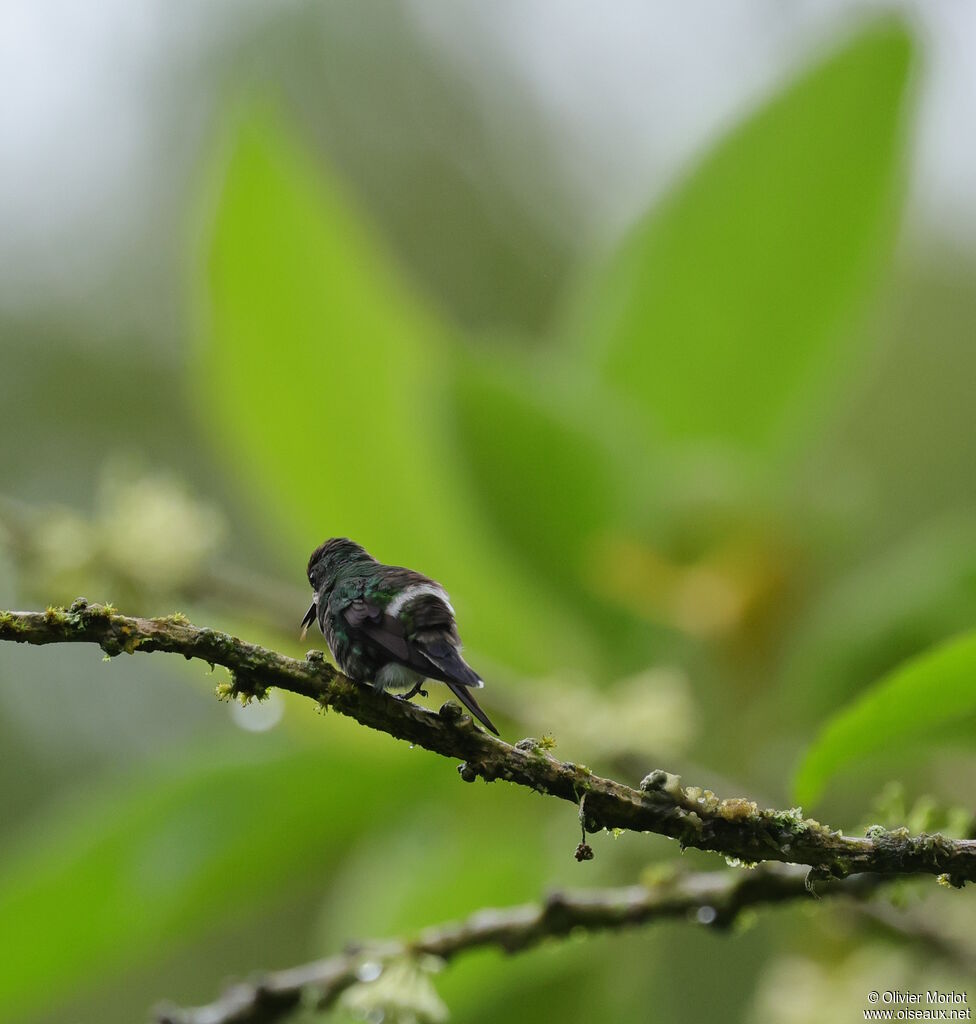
x=736, y=828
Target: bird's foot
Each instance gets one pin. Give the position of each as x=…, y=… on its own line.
x=411, y=693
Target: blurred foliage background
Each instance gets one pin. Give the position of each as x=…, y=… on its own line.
x=649, y=333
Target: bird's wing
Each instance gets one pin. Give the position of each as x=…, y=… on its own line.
x=421, y=634
x=413, y=621
x=369, y=618
x=389, y=632
x=415, y=625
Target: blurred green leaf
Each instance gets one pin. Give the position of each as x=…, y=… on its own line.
x=547, y=480
x=919, y=700
x=327, y=381
x=562, y=477
x=921, y=589
x=98, y=884
x=721, y=314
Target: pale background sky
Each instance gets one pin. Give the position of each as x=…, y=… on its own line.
x=104, y=109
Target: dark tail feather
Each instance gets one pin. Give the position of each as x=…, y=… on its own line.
x=309, y=618
x=449, y=663
x=453, y=670
x=462, y=694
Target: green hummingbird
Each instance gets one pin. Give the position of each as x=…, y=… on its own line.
x=387, y=625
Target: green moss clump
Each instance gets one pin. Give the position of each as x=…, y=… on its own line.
x=92, y=612
x=793, y=822
x=244, y=690
x=582, y=783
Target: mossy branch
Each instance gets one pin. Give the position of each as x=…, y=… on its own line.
x=712, y=899
x=736, y=828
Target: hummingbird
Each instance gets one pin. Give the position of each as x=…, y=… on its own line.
x=388, y=625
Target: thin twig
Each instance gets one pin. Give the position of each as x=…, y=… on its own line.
x=713, y=898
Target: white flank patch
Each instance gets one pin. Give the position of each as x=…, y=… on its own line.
x=395, y=677
x=406, y=596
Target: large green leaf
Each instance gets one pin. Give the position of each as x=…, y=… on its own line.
x=919, y=590
x=547, y=479
x=561, y=477
x=925, y=697
x=721, y=314
x=326, y=381
x=112, y=876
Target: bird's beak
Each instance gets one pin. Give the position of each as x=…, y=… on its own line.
x=309, y=618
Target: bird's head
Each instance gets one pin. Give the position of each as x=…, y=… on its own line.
x=330, y=559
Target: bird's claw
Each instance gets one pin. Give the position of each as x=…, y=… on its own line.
x=410, y=694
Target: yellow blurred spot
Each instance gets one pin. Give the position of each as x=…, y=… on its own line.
x=706, y=602
x=712, y=597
